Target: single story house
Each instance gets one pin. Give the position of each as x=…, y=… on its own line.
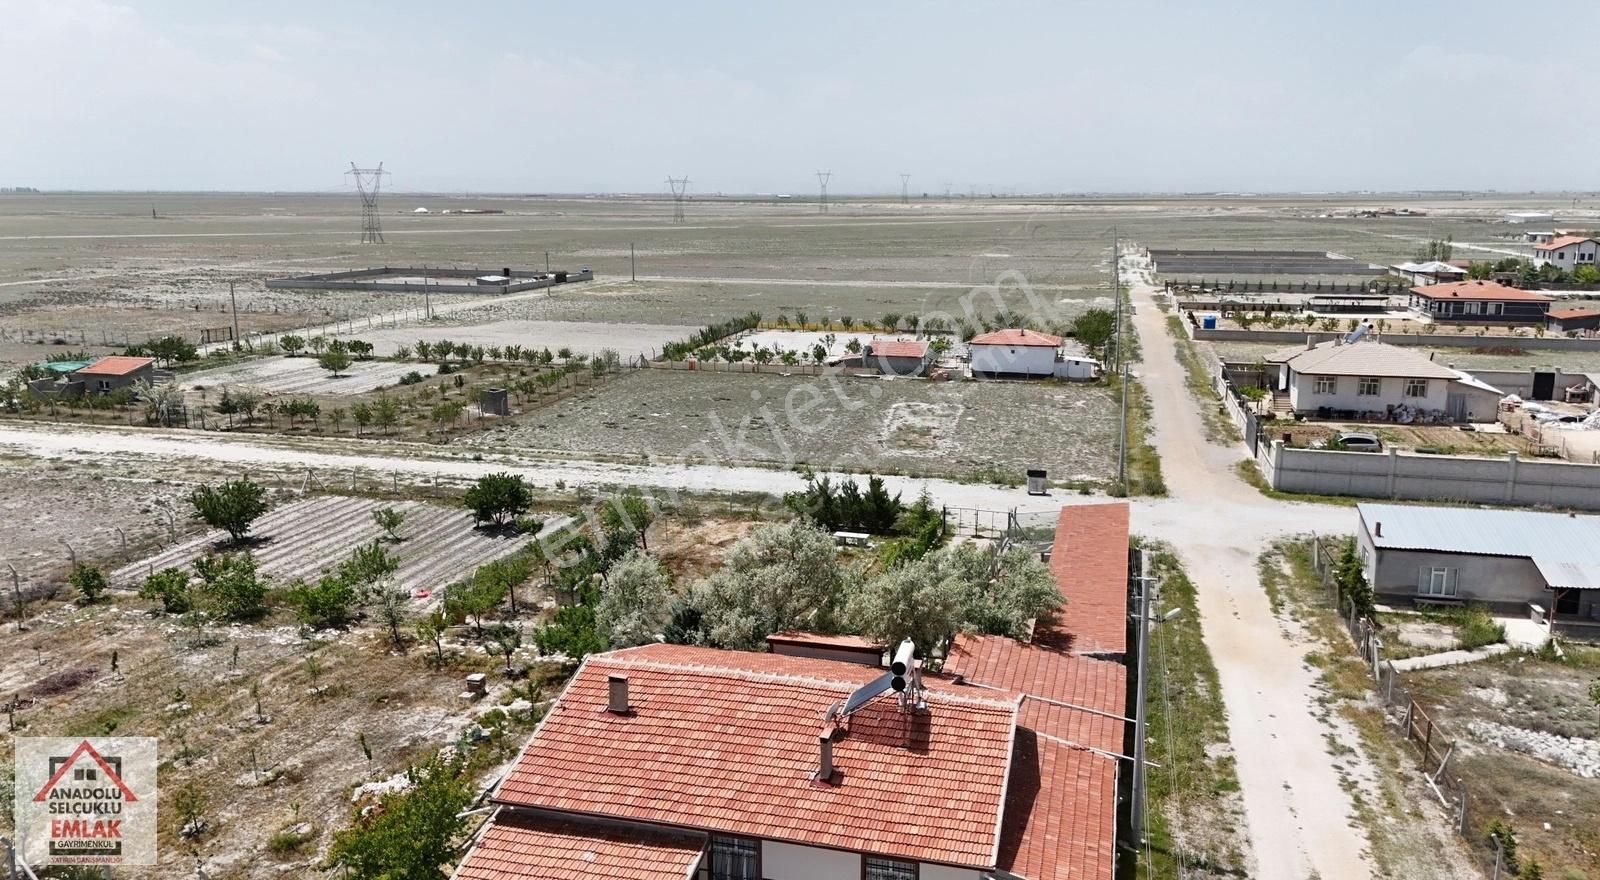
x=1027, y=354
x=1537, y=237
x=1567, y=252
x=1485, y=302
x=1430, y=272
x=897, y=357
x=1505, y=559
x=1367, y=379
x=117, y=371
x=1563, y=320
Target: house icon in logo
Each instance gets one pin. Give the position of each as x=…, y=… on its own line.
x=87, y=766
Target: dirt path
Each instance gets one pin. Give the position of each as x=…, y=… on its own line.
x=1299, y=819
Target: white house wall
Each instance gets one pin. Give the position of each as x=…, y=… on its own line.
x=1031, y=360
x=941, y=872
x=1303, y=396
x=787, y=861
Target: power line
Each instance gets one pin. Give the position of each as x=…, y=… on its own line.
x=905, y=190
x=368, y=182
x=822, y=182
x=680, y=185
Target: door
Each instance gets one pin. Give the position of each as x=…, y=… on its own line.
x=1567, y=601
x=1544, y=386
x=1456, y=407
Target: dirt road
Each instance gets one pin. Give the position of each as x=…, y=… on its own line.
x=1299, y=818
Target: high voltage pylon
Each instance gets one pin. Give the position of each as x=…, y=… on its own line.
x=905, y=189
x=368, y=182
x=680, y=185
x=822, y=182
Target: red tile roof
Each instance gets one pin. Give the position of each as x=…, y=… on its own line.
x=1479, y=290
x=1068, y=696
x=116, y=365
x=899, y=348
x=727, y=741
x=1090, y=561
x=1017, y=337
x=1556, y=244
x=826, y=641
x=530, y=847
x=1569, y=314
x=1061, y=813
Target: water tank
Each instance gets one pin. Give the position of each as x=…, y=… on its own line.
x=493, y=402
x=1208, y=322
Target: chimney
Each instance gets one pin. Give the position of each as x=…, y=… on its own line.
x=1377, y=530
x=825, y=757
x=618, y=702
x=1311, y=342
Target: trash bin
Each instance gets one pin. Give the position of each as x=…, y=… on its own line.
x=1037, y=484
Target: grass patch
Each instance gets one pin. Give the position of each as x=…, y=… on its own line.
x=1194, y=790
x=1250, y=473
x=1478, y=629
x=1144, y=463
x=1219, y=425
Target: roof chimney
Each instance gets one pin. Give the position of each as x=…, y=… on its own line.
x=1377, y=530
x=1311, y=342
x=825, y=755
x=617, y=704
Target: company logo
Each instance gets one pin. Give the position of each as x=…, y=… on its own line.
x=87, y=801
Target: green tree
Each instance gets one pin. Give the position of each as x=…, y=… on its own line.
x=231, y=506
x=292, y=344
x=170, y=587
x=392, y=608
x=910, y=601
x=1588, y=273
x=89, y=581
x=1001, y=597
x=327, y=604
x=505, y=640
x=473, y=599
x=779, y=577
x=229, y=583
x=498, y=498
x=431, y=628
x=572, y=632
x=1480, y=269
x=386, y=413
x=627, y=516
x=1594, y=697
x=1352, y=581
x=334, y=360
x=361, y=414
x=390, y=519
x=172, y=350
x=368, y=564
x=890, y=321
x=412, y=833
x=635, y=601
x=1094, y=328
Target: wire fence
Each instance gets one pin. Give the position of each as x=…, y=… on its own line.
x=1434, y=744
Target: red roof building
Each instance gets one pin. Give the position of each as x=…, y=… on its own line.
x=1027, y=338
x=1485, y=302
x=116, y=365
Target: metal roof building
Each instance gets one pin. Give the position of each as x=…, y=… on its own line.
x=1565, y=548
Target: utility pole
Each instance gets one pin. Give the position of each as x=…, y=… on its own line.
x=1122, y=454
x=233, y=304
x=1136, y=817
x=1116, y=297
x=547, y=262
x=822, y=184
x=905, y=190
x=427, y=304
x=633, y=272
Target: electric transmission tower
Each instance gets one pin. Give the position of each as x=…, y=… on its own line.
x=905, y=189
x=680, y=185
x=368, y=182
x=822, y=182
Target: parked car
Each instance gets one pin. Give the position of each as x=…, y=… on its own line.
x=1354, y=441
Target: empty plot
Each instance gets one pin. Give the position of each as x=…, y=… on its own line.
x=302, y=375
x=307, y=538
x=628, y=340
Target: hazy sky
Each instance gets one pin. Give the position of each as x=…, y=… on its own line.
x=1271, y=95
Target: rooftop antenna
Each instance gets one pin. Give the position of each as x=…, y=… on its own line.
x=680, y=185
x=368, y=182
x=905, y=189
x=822, y=181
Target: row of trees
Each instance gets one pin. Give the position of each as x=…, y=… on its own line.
x=1530, y=275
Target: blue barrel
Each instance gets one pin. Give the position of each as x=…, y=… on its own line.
x=1208, y=322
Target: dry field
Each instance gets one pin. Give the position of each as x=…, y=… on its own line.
x=588, y=338
x=970, y=429
x=304, y=539
x=300, y=375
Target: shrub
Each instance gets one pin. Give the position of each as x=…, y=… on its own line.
x=498, y=498
x=89, y=581
x=170, y=587
x=390, y=520
x=328, y=603
x=1477, y=629
x=231, y=506
x=230, y=585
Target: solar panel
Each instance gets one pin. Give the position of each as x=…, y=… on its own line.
x=866, y=692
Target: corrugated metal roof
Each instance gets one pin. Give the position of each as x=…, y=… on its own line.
x=1564, y=547
x=1360, y=358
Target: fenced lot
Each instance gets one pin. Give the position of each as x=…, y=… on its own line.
x=966, y=429
x=301, y=375
x=306, y=538
x=582, y=337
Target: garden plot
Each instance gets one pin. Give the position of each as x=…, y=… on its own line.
x=307, y=538
x=590, y=338
x=986, y=430
x=298, y=375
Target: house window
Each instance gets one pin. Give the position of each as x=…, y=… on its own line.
x=1325, y=385
x=1493, y=308
x=1416, y=387
x=1561, y=255
x=1436, y=580
x=1473, y=308
x=734, y=858
x=887, y=869
x=1368, y=386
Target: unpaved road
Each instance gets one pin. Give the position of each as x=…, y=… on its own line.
x=1299, y=818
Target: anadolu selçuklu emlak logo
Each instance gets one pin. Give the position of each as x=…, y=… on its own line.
x=86, y=801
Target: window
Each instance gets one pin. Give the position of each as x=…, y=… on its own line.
x=887, y=869
x=1561, y=255
x=1494, y=308
x=1368, y=386
x=1472, y=308
x=1436, y=580
x=734, y=858
x=1416, y=387
x=1325, y=385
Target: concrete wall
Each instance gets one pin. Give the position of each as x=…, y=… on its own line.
x=787, y=861
x=898, y=366
x=1520, y=382
x=1432, y=477
x=941, y=872
x=1031, y=360
x=1292, y=337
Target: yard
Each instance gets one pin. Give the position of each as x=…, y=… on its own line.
x=300, y=375
x=979, y=430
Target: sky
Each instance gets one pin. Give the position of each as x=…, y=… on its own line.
x=487, y=96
